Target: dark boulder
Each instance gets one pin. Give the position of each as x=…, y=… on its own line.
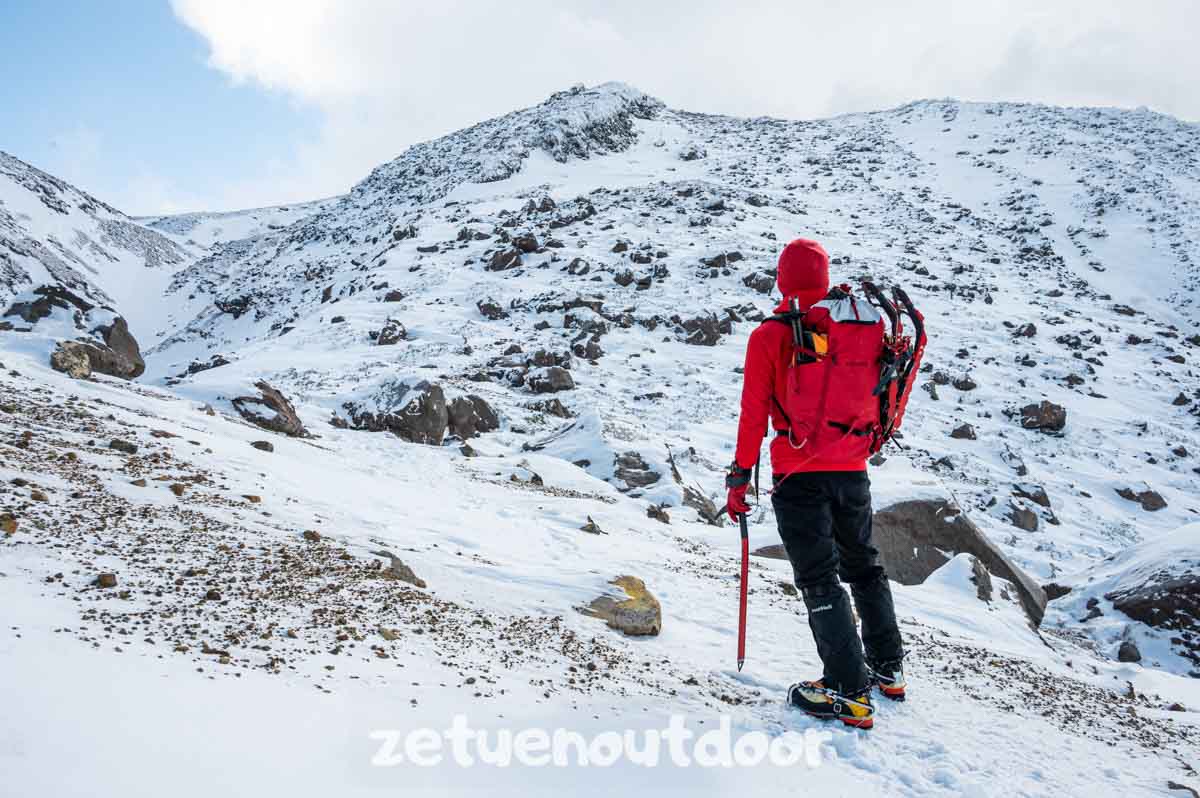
x=48, y=298
x=126, y=360
x=915, y=537
x=69, y=357
x=775, y=551
x=550, y=379
x=491, y=309
x=705, y=330
x=1128, y=652
x=527, y=244
x=1046, y=417
x=702, y=504
x=469, y=416
x=553, y=407
x=503, y=260
x=1022, y=517
x=963, y=431
x=417, y=413
x=630, y=468
x=393, y=332
x=1035, y=493
x=283, y=418
x=761, y=282
x=1150, y=500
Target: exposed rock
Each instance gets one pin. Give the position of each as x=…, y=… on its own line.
x=551, y=379
x=1128, y=652
x=706, y=507
x=312, y=536
x=963, y=431
x=504, y=260
x=527, y=244
x=775, y=551
x=417, y=413
x=1046, y=417
x=1022, y=518
x=392, y=333
x=592, y=528
x=982, y=579
x=1027, y=330
x=914, y=538
x=1055, y=591
x=8, y=523
x=124, y=446
x=638, y=614
x=396, y=569
x=284, y=419
x=659, y=513
x=263, y=446
x=965, y=383
x=71, y=358
x=1035, y=493
x=553, y=407
x=106, y=580
x=48, y=298
x=762, y=282
x=469, y=416
x=1157, y=583
x=491, y=309
x=1150, y=500
x=123, y=358
x=705, y=330
x=630, y=468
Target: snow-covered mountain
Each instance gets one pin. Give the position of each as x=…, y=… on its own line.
x=51, y=233
x=577, y=281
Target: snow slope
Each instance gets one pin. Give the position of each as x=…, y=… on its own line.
x=53, y=233
x=993, y=216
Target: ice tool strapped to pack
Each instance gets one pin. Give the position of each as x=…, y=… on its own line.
x=850, y=374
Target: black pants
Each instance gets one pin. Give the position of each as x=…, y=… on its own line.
x=825, y=524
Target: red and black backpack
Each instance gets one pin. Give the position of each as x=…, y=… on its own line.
x=851, y=372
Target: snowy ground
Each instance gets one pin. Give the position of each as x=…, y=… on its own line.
x=262, y=660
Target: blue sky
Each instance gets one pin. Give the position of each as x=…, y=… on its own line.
x=161, y=106
x=116, y=97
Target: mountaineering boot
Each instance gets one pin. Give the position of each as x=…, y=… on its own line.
x=819, y=701
x=890, y=678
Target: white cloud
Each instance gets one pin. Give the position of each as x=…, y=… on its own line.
x=388, y=73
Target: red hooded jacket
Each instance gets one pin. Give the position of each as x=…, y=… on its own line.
x=804, y=274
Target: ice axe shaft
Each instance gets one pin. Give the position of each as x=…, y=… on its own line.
x=745, y=577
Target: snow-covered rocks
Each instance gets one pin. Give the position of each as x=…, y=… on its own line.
x=416, y=413
x=1044, y=416
x=550, y=379
x=282, y=417
x=470, y=416
x=1148, y=595
x=915, y=538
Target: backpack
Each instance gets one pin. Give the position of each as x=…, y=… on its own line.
x=850, y=374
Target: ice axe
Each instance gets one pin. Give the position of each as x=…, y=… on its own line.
x=741, y=646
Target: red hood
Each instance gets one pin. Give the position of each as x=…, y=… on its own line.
x=803, y=272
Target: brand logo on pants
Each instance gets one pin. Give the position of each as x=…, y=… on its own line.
x=822, y=608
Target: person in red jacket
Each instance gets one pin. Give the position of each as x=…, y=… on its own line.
x=823, y=511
